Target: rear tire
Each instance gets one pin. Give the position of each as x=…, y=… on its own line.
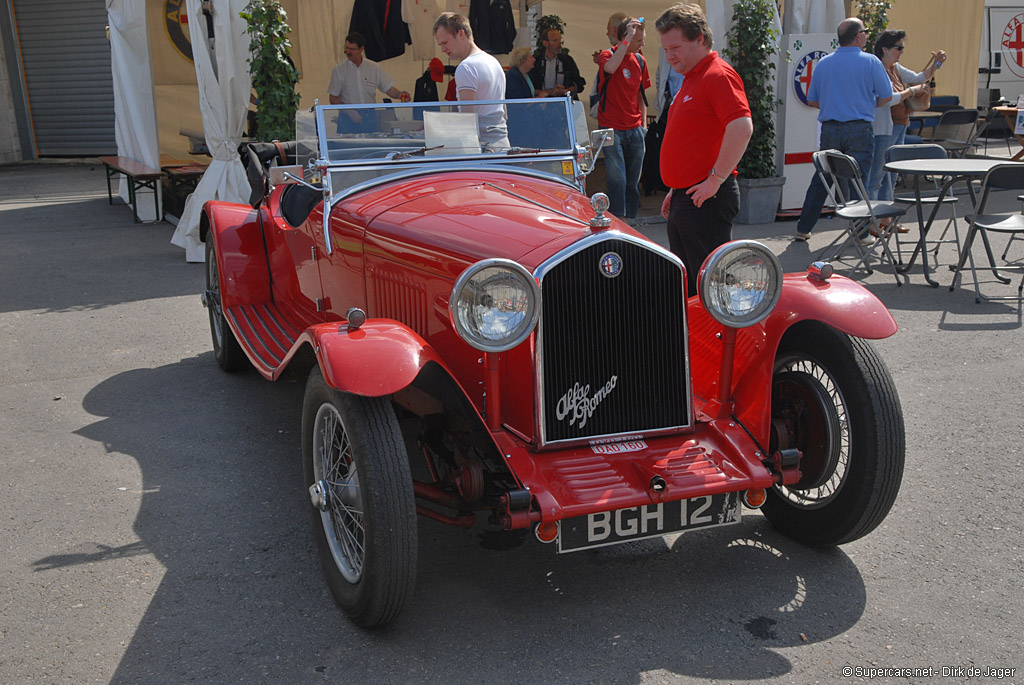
x=362, y=506
x=226, y=350
x=833, y=398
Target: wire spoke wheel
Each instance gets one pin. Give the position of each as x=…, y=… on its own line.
x=342, y=517
x=226, y=350
x=363, y=510
x=834, y=400
x=814, y=410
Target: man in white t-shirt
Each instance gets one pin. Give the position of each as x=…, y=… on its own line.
x=478, y=77
x=356, y=82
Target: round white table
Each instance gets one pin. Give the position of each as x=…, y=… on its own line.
x=952, y=170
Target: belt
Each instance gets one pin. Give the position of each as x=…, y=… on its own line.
x=852, y=121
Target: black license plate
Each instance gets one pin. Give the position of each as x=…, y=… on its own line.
x=648, y=521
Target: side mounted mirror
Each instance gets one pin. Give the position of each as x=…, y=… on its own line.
x=599, y=137
x=285, y=174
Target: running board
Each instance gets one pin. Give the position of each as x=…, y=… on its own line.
x=266, y=333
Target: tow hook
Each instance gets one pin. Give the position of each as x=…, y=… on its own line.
x=787, y=463
x=517, y=512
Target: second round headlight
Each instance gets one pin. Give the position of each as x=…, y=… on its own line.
x=740, y=283
x=494, y=305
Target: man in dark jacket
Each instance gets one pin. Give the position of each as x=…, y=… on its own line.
x=555, y=72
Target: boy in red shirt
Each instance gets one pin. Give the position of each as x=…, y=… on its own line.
x=622, y=78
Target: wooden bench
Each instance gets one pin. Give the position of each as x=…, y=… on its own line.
x=139, y=176
x=183, y=175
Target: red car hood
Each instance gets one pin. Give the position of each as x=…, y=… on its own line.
x=469, y=216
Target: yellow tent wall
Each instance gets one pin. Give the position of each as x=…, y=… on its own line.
x=950, y=25
x=319, y=28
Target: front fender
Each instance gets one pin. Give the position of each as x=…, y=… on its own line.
x=841, y=303
x=838, y=302
x=380, y=358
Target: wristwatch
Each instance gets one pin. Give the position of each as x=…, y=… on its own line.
x=714, y=173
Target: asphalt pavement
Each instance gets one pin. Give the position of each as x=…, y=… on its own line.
x=153, y=521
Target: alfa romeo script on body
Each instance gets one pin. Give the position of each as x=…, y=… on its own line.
x=577, y=404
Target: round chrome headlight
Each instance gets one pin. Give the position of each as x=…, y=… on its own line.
x=740, y=283
x=495, y=305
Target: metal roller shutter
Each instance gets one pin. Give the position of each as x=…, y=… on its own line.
x=66, y=57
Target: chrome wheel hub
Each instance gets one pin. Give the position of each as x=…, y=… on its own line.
x=318, y=495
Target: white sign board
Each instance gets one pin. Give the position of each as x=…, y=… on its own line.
x=802, y=128
x=1003, y=54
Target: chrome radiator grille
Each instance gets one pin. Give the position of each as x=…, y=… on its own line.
x=613, y=348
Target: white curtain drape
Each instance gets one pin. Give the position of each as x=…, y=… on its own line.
x=135, y=128
x=719, y=16
x=813, y=16
x=223, y=101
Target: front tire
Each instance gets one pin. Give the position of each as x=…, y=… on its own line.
x=833, y=398
x=226, y=350
x=362, y=509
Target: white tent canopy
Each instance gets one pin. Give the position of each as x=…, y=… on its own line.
x=813, y=16
x=224, y=87
x=134, y=104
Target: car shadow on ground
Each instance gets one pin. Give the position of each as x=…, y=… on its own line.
x=224, y=511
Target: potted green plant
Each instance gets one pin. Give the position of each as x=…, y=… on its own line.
x=752, y=49
x=273, y=73
x=875, y=15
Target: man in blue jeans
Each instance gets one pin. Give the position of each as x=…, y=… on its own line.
x=622, y=78
x=846, y=86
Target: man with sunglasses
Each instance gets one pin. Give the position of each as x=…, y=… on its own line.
x=846, y=87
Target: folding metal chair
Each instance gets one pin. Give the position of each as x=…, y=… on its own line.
x=955, y=131
x=842, y=177
x=992, y=126
x=928, y=200
x=1020, y=199
x=834, y=201
x=1000, y=177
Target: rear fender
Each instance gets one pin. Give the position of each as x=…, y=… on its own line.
x=237, y=235
x=839, y=302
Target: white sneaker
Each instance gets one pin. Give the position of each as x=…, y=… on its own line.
x=802, y=236
x=866, y=241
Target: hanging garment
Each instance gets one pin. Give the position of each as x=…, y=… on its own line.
x=420, y=16
x=494, y=28
x=380, y=22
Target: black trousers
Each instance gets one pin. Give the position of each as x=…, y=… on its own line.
x=694, y=233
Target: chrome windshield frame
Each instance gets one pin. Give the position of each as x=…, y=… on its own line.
x=413, y=166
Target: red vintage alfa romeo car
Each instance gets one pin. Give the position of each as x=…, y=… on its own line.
x=484, y=344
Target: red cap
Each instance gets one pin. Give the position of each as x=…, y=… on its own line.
x=437, y=70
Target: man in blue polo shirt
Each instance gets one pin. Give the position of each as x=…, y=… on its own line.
x=846, y=87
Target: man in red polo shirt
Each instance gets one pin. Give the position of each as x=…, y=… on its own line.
x=622, y=106
x=708, y=129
